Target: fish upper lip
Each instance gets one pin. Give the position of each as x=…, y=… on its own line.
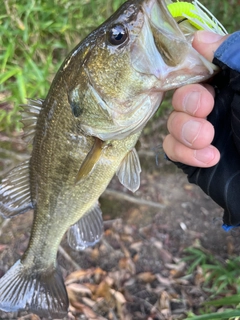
x=160, y=17
x=167, y=47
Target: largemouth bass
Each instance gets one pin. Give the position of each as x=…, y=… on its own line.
x=84, y=132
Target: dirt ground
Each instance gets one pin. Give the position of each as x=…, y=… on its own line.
x=135, y=272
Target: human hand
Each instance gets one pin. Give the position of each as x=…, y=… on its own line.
x=190, y=134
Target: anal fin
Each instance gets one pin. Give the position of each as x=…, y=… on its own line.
x=87, y=231
x=129, y=171
x=15, y=195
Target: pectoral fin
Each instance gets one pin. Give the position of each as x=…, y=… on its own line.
x=90, y=160
x=87, y=231
x=129, y=171
x=15, y=195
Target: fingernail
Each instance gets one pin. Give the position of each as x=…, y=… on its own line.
x=208, y=37
x=190, y=131
x=205, y=155
x=191, y=102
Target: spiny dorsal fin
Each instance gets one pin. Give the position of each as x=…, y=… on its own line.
x=15, y=192
x=129, y=171
x=87, y=231
x=30, y=114
x=41, y=292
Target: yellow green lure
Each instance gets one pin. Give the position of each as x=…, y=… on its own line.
x=199, y=16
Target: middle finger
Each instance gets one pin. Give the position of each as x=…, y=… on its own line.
x=193, y=132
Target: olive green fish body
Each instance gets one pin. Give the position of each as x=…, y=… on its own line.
x=70, y=200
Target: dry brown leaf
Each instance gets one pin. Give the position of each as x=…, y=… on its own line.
x=95, y=253
x=31, y=316
x=177, y=270
x=79, y=289
x=165, y=255
x=164, y=301
x=108, y=233
x=125, y=250
x=146, y=276
x=71, y=295
x=136, y=246
x=79, y=275
x=78, y=307
x=118, y=296
x=126, y=238
x=199, y=276
x=103, y=290
x=127, y=264
x=89, y=302
x=136, y=258
x=110, y=280
x=165, y=281
x=123, y=263
x=71, y=316
x=167, y=314
x=89, y=313
x=99, y=274
x=128, y=229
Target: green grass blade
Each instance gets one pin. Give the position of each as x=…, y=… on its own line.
x=234, y=299
x=220, y=316
x=7, y=75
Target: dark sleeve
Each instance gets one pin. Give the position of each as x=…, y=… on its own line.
x=222, y=181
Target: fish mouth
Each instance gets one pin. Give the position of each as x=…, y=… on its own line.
x=165, y=51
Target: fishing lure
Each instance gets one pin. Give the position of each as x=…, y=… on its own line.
x=198, y=15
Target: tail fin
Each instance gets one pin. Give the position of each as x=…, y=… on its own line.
x=41, y=293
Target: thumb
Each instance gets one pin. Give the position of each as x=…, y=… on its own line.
x=206, y=43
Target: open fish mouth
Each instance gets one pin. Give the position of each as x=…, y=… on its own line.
x=158, y=57
x=165, y=51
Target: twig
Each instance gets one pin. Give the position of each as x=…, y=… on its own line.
x=18, y=139
x=68, y=258
x=147, y=153
x=123, y=196
x=27, y=317
x=3, y=225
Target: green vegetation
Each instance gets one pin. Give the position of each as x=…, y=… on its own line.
x=36, y=35
x=220, y=282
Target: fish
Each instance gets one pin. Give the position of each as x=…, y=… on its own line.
x=82, y=134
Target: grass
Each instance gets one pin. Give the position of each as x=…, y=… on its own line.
x=221, y=283
x=36, y=35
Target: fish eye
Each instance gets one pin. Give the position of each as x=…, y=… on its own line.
x=117, y=35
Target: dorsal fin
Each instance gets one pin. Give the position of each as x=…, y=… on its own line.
x=129, y=171
x=15, y=195
x=87, y=231
x=30, y=114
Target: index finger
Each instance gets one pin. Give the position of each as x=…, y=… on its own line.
x=206, y=43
